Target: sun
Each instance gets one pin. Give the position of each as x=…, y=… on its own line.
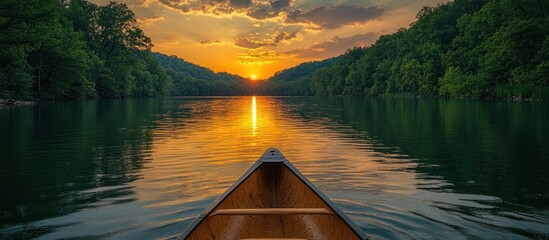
x=253, y=77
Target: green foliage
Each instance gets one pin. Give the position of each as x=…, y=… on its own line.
x=303, y=70
x=25, y=26
x=193, y=80
x=116, y=31
x=75, y=49
x=175, y=64
x=15, y=77
x=62, y=70
x=465, y=48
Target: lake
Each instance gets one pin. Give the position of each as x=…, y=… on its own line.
x=401, y=168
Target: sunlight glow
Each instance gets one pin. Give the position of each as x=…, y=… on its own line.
x=254, y=115
x=253, y=77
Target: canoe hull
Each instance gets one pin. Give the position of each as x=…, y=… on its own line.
x=272, y=183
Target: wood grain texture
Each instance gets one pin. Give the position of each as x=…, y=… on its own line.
x=272, y=185
x=272, y=211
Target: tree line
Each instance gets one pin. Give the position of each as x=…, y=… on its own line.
x=75, y=49
x=489, y=49
x=70, y=49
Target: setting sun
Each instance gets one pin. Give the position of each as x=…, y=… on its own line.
x=253, y=77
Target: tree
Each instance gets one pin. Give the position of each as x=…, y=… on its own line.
x=24, y=27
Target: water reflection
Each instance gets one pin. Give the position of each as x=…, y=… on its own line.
x=254, y=115
x=479, y=147
x=401, y=168
x=474, y=162
x=60, y=158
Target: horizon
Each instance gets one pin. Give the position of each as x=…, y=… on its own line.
x=260, y=38
x=409, y=115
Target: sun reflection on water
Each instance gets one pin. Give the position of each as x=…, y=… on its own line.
x=254, y=116
x=163, y=170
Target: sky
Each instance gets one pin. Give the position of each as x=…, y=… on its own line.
x=261, y=37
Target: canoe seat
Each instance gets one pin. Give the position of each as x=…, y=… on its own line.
x=272, y=211
x=273, y=239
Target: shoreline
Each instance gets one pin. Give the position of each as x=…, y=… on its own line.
x=11, y=102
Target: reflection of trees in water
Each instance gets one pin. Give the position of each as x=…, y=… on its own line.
x=490, y=148
x=58, y=158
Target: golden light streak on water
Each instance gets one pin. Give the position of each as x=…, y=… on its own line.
x=254, y=116
x=150, y=166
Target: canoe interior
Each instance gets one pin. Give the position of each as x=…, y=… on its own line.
x=272, y=185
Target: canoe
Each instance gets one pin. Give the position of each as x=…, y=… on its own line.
x=272, y=200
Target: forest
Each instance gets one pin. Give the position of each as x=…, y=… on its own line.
x=496, y=49
x=193, y=80
x=74, y=49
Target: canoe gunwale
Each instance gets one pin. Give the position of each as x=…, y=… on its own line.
x=326, y=200
x=272, y=155
x=217, y=201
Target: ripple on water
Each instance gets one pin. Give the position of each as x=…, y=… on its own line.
x=146, y=168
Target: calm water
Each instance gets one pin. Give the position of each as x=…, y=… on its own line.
x=400, y=168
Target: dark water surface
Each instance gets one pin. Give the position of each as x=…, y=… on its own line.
x=401, y=168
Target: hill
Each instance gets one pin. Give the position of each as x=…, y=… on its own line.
x=175, y=64
x=302, y=70
x=193, y=80
x=497, y=49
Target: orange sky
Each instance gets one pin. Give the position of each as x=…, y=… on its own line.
x=261, y=37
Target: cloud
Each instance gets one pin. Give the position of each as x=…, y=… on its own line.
x=149, y=21
x=329, y=17
x=209, y=42
x=240, y=3
x=335, y=46
x=281, y=4
x=270, y=9
x=259, y=57
x=249, y=43
x=254, y=9
x=256, y=40
x=335, y=17
x=284, y=36
x=145, y=3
